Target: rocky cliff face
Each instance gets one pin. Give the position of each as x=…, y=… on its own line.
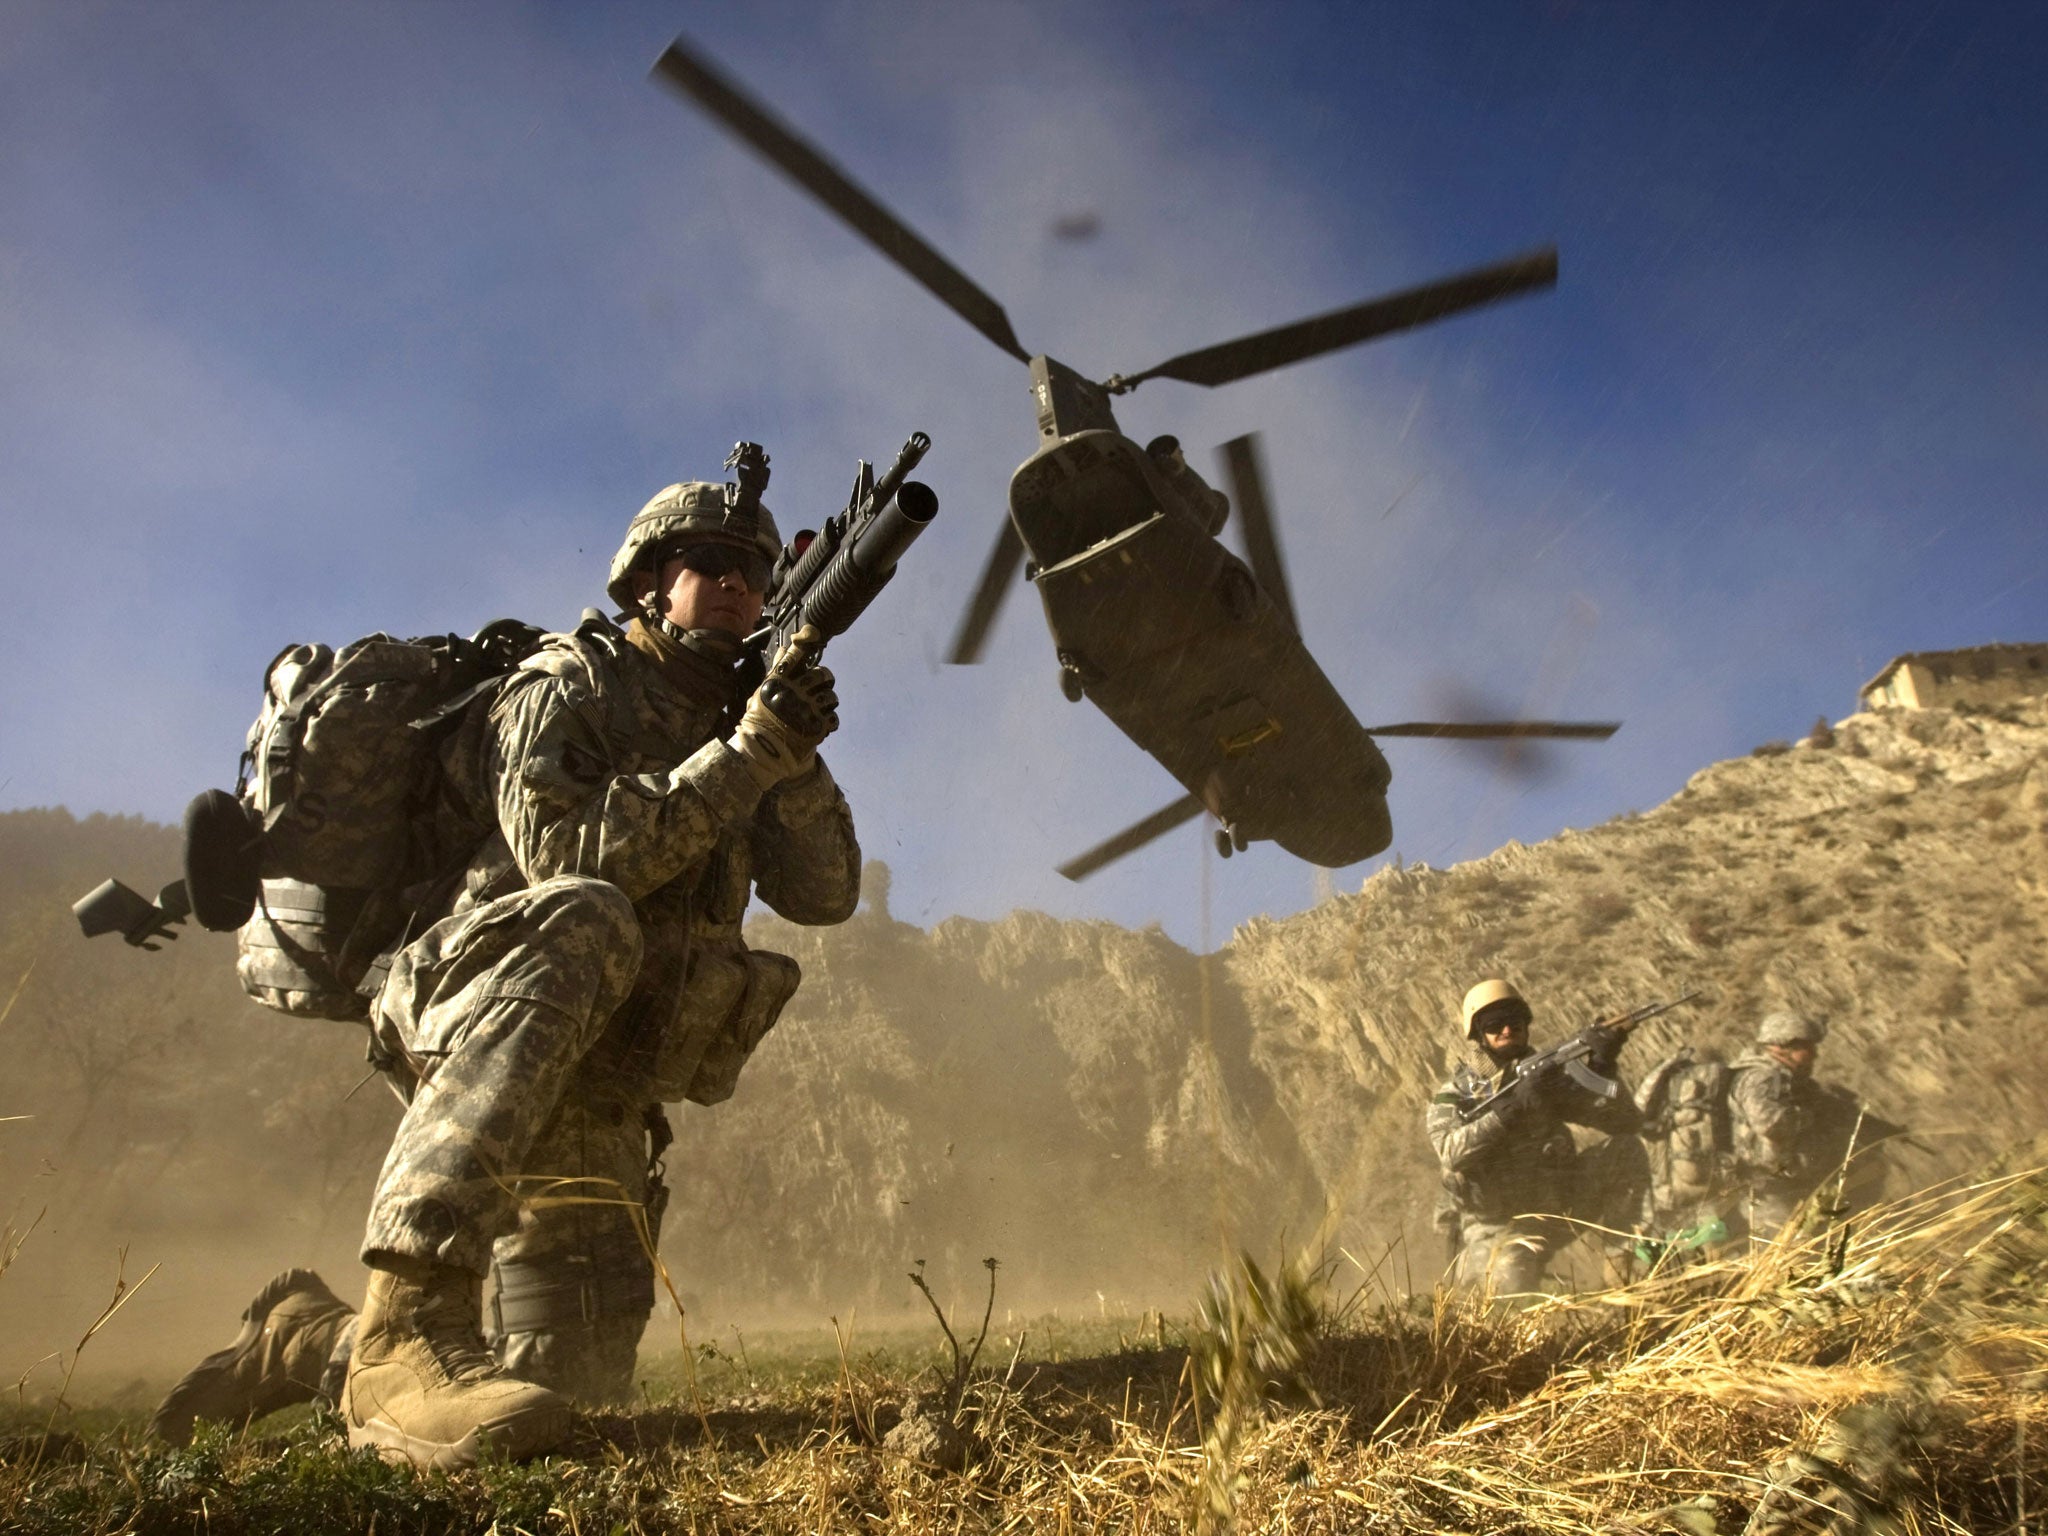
x=1100, y=1110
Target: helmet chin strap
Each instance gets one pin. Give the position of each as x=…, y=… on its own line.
x=719, y=646
x=652, y=616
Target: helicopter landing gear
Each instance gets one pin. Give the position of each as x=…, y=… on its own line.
x=1229, y=840
x=1074, y=676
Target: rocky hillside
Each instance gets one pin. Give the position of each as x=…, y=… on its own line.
x=1099, y=1109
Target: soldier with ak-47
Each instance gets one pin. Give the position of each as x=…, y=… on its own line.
x=1501, y=1130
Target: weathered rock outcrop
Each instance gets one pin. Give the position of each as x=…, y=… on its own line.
x=1099, y=1109
x=1096, y=1106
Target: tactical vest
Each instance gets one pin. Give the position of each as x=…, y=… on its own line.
x=705, y=999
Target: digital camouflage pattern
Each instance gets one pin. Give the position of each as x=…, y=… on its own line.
x=492, y=1009
x=1689, y=1155
x=1787, y=1135
x=1744, y=1144
x=1512, y=1174
x=574, y=1281
x=590, y=964
x=695, y=509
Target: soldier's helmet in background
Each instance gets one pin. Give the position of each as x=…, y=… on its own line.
x=1488, y=994
x=685, y=513
x=1791, y=1029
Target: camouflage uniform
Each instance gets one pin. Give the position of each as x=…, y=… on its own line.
x=1746, y=1144
x=1790, y=1136
x=1512, y=1174
x=589, y=967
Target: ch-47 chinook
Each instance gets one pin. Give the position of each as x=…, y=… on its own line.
x=1192, y=653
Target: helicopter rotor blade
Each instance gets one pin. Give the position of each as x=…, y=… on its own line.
x=1240, y=359
x=1133, y=837
x=695, y=77
x=1255, y=517
x=1500, y=730
x=989, y=593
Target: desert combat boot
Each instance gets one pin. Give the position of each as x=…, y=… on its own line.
x=422, y=1385
x=288, y=1333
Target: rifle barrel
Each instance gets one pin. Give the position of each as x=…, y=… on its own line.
x=858, y=572
x=914, y=449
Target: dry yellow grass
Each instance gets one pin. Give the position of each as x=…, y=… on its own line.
x=1874, y=1378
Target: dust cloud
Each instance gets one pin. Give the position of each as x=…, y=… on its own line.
x=1102, y=1110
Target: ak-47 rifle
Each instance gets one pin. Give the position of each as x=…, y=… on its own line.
x=1569, y=1057
x=827, y=579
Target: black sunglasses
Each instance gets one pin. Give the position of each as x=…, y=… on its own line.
x=715, y=560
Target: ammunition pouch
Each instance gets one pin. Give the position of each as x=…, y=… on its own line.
x=771, y=981
x=305, y=948
x=730, y=999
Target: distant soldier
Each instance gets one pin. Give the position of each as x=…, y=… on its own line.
x=1789, y=1133
x=1510, y=1168
x=1737, y=1148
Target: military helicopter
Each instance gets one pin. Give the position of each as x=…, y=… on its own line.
x=1192, y=653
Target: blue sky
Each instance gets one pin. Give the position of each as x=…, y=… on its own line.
x=316, y=320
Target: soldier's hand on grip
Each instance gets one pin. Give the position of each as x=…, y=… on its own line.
x=1545, y=1084
x=793, y=710
x=1603, y=1047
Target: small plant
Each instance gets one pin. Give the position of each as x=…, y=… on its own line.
x=1252, y=1349
x=963, y=1362
x=1771, y=749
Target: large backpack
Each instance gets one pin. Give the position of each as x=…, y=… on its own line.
x=329, y=823
x=1686, y=1128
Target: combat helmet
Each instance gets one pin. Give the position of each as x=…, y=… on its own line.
x=1485, y=995
x=695, y=509
x=1791, y=1029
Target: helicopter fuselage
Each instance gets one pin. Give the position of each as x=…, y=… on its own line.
x=1169, y=635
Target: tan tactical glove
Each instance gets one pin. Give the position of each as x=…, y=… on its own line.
x=790, y=713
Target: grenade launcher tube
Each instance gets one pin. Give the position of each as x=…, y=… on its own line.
x=861, y=568
x=858, y=515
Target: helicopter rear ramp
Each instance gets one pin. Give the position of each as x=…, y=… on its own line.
x=1172, y=638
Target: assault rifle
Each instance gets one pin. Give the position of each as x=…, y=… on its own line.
x=111, y=907
x=1569, y=1057
x=828, y=578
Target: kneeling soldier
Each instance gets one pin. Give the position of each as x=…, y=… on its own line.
x=1510, y=1169
x=624, y=794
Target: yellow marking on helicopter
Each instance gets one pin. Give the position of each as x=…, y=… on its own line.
x=1244, y=741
